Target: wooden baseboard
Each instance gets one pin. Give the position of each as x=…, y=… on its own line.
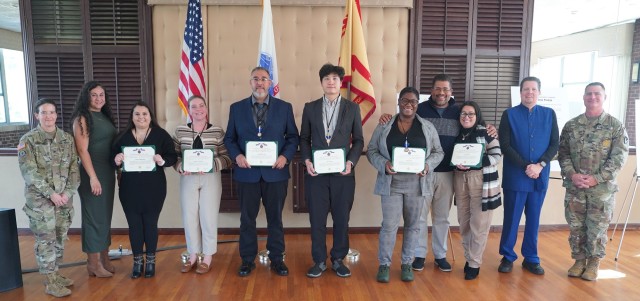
x=352, y=230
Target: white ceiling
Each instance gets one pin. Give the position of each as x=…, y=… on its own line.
x=554, y=18
x=551, y=18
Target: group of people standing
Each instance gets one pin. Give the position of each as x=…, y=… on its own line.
x=477, y=188
x=591, y=151
x=49, y=157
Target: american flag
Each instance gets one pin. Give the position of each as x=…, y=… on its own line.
x=192, y=67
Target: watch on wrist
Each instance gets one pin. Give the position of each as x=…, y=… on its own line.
x=543, y=164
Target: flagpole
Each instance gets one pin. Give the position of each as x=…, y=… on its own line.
x=348, y=90
x=267, y=59
x=353, y=254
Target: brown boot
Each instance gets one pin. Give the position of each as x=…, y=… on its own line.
x=578, y=268
x=94, y=266
x=591, y=272
x=53, y=288
x=106, y=261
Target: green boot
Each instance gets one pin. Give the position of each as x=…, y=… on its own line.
x=578, y=268
x=53, y=288
x=383, y=274
x=407, y=272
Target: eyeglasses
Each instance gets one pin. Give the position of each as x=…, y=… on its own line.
x=441, y=89
x=465, y=114
x=407, y=101
x=260, y=79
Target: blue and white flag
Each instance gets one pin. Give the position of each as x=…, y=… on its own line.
x=267, y=49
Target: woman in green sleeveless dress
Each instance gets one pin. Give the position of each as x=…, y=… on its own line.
x=94, y=130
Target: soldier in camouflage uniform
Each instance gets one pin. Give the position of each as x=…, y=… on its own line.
x=593, y=149
x=49, y=166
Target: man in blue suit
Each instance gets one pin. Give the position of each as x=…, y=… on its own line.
x=529, y=139
x=264, y=118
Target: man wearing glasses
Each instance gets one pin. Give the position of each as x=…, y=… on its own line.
x=264, y=125
x=442, y=111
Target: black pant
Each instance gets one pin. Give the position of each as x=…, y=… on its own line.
x=143, y=230
x=273, y=195
x=324, y=194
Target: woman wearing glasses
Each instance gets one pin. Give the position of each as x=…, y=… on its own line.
x=476, y=187
x=403, y=194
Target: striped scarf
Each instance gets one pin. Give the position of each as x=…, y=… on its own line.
x=491, y=195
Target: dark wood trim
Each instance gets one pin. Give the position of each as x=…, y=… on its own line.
x=525, y=58
x=8, y=152
x=471, y=58
x=415, y=31
x=57, y=49
x=29, y=56
x=449, y=51
x=145, y=26
x=87, y=53
x=116, y=49
x=299, y=201
x=501, y=52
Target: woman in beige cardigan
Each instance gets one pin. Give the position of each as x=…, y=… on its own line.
x=200, y=192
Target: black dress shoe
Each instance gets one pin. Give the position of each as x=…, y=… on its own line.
x=466, y=267
x=245, y=268
x=280, y=268
x=472, y=273
x=534, y=268
x=505, y=266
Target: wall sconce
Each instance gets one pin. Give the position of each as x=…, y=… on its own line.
x=635, y=72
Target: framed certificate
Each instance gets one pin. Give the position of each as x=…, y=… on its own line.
x=139, y=158
x=467, y=154
x=408, y=159
x=197, y=160
x=329, y=160
x=261, y=153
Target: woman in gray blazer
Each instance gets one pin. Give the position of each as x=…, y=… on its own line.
x=403, y=193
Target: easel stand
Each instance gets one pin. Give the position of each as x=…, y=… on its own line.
x=635, y=188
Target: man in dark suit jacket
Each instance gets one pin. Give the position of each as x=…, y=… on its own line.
x=261, y=117
x=331, y=122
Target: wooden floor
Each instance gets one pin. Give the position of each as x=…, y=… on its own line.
x=618, y=280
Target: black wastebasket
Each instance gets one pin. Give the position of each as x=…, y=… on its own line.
x=11, y=275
